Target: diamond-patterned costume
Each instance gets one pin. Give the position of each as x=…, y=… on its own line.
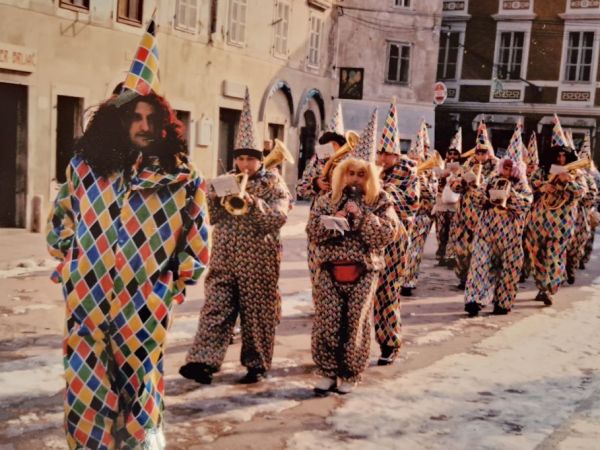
x=420, y=229
x=444, y=215
x=536, y=179
x=583, y=230
x=467, y=217
x=242, y=277
x=497, y=246
x=549, y=231
x=401, y=183
x=589, y=245
x=341, y=334
x=116, y=239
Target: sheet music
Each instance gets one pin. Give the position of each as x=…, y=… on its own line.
x=324, y=151
x=335, y=223
x=555, y=169
x=225, y=185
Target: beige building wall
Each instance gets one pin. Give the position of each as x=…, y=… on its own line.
x=85, y=54
x=366, y=27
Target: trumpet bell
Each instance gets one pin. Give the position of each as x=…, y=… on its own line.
x=278, y=155
x=352, y=138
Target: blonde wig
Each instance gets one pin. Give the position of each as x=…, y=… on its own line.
x=372, y=187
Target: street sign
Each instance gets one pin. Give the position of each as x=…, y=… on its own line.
x=440, y=93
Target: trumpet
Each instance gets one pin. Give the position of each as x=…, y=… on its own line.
x=468, y=154
x=236, y=204
x=552, y=201
x=352, y=138
x=433, y=162
x=278, y=155
x=499, y=192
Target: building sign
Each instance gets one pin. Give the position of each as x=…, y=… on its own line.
x=440, y=93
x=351, y=83
x=14, y=57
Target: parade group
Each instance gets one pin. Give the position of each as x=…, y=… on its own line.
x=131, y=228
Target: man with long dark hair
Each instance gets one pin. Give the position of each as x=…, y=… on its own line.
x=129, y=229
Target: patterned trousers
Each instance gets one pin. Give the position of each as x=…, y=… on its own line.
x=578, y=241
x=548, y=258
x=114, y=373
x=443, y=222
x=589, y=246
x=341, y=334
x=419, y=233
x=461, y=241
x=388, y=323
x=253, y=295
x=494, y=272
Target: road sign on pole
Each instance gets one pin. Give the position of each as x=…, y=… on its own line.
x=440, y=93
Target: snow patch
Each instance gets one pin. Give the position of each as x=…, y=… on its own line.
x=298, y=304
x=33, y=376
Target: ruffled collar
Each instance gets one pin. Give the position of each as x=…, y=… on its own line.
x=153, y=176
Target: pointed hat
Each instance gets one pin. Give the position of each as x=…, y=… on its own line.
x=483, y=141
x=367, y=144
x=559, y=138
x=336, y=125
x=390, y=137
x=516, y=149
x=245, y=142
x=456, y=142
x=532, y=150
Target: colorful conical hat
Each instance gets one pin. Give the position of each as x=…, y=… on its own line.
x=532, y=151
x=417, y=150
x=483, y=141
x=569, y=135
x=559, y=138
x=425, y=139
x=336, y=125
x=142, y=78
x=390, y=137
x=456, y=142
x=586, y=148
x=245, y=138
x=516, y=148
x=367, y=144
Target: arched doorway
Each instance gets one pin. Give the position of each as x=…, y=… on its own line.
x=308, y=138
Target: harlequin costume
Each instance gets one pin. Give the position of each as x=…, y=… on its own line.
x=497, y=255
x=349, y=265
x=400, y=182
x=551, y=226
x=243, y=273
x=467, y=216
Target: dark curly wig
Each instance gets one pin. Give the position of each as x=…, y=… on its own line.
x=106, y=147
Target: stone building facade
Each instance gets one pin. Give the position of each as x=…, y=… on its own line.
x=508, y=60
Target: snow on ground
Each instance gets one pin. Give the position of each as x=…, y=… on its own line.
x=293, y=230
x=512, y=391
x=33, y=376
x=26, y=266
x=298, y=304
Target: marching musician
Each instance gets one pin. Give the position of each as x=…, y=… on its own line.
x=503, y=201
x=446, y=202
x=475, y=171
x=244, y=268
x=399, y=179
x=553, y=221
x=348, y=267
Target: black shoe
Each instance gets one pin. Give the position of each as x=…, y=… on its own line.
x=547, y=299
x=450, y=263
x=581, y=265
x=461, y=286
x=406, y=291
x=472, y=309
x=200, y=373
x=499, y=311
x=442, y=262
x=570, y=278
x=253, y=376
x=388, y=355
x=522, y=278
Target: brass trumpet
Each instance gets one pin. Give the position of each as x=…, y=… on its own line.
x=236, y=204
x=499, y=192
x=278, y=155
x=352, y=138
x=435, y=161
x=552, y=201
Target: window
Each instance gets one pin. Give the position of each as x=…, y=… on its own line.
x=398, y=62
x=130, y=11
x=448, y=56
x=314, y=41
x=510, y=55
x=237, y=21
x=402, y=3
x=281, y=23
x=186, y=15
x=579, y=56
x=77, y=5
